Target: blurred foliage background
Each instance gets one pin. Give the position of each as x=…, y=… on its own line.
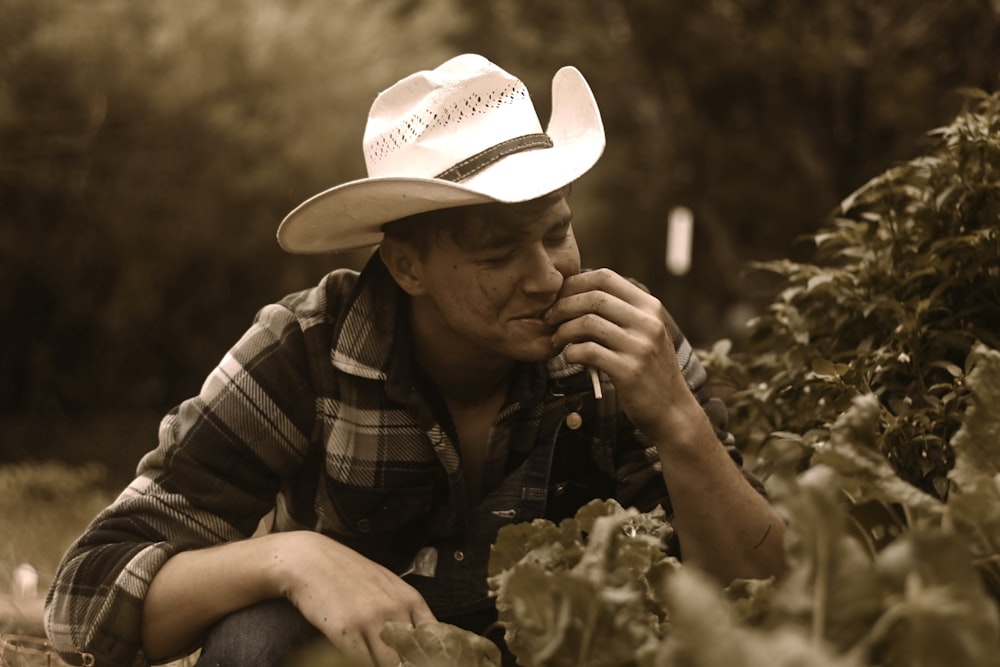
x=149, y=150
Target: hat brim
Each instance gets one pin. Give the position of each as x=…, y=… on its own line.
x=351, y=215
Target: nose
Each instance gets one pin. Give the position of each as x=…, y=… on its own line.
x=541, y=275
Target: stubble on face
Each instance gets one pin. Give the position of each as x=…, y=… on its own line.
x=491, y=284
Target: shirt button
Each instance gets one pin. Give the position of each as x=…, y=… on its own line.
x=459, y=555
x=363, y=525
x=574, y=421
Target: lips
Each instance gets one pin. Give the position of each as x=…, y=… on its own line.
x=534, y=314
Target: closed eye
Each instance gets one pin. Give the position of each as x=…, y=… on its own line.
x=558, y=234
x=501, y=257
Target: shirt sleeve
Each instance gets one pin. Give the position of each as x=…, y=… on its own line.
x=215, y=472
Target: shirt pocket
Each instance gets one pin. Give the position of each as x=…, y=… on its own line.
x=384, y=524
x=574, y=479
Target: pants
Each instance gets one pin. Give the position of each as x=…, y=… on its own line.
x=269, y=633
x=263, y=635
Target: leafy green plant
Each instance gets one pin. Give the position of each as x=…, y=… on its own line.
x=899, y=307
x=905, y=283
x=585, y=592
x=601, y=589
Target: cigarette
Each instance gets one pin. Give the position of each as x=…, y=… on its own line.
x=596, y=382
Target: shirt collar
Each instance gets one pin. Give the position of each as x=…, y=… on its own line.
x=363, y=343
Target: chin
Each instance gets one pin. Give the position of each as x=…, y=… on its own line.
x=535, y=354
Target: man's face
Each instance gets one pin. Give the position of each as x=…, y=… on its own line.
x=486, y=295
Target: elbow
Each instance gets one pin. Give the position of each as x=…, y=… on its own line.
x=763, y=558
x=766, y=559
x=62, y=622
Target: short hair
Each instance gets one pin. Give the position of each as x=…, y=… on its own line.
x=421, y=229
x=466, y=226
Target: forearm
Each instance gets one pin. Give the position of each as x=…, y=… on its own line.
x=194, y=589
x=725, y=527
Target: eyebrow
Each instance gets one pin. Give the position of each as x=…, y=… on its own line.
x=496, y=239
x=496, y=230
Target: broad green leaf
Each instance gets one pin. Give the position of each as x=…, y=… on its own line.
x=704, y=633
x=750, y=599
x=564, y=619
x=977, y=443
x=594, y=510
x=953, y=369
x=599, y=610
x=974, y=513
x=514, y=542
x=937, y=612
x=862, y=470
x=972, y=92
x=824, y=368
x=434, y=644
x=818, y=280
x=831, y=591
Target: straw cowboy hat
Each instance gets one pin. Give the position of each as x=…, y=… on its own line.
x=463, y=133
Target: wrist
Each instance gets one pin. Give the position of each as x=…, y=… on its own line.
x=679, y=423
x=287, y=554
x=278, y=555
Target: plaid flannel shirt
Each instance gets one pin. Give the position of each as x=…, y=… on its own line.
x=315, y=402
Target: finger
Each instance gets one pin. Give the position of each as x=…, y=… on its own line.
x=606, y=305
x=422, y=614
x=594, y=355
x=354, y=647
x=603, y=280
x=411, y=605
x=630, y=307
x=382, y=655
x=598, y=279
x=592, y=328
x=608, y=319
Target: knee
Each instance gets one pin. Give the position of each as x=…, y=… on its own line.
x=263, y=634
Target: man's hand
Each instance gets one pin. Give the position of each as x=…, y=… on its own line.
x=348, y=597
x=725, y=527
x=345, y=595
x=606, y=322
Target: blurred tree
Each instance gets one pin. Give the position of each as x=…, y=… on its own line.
x=759, y=115
x=149, y=151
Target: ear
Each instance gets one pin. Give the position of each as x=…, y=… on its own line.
x=404, y=264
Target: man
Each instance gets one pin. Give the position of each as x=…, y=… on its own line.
x=389, y=423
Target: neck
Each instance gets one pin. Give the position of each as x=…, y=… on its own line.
x=464, y=374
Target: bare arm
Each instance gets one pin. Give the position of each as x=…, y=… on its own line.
x=348, y=597
x=724, y=526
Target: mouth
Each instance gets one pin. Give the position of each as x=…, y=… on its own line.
x=534, y=314
x=537, y=318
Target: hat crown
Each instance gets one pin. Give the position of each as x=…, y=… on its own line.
x=432, y=120
x=462, y=134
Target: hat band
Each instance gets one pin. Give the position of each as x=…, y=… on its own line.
x=475, y=164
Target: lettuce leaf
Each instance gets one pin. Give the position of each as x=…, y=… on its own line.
x=434, y=644
x=591, y=596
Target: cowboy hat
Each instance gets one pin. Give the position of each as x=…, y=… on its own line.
x=463, y=133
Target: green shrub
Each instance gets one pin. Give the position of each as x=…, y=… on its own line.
x=904, y=285
x=882, y=335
